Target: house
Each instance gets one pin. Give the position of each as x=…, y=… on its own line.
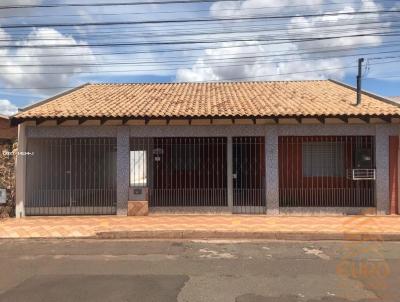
x=396, y=99
x=275, y=148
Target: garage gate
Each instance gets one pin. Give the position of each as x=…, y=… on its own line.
x=71, y=176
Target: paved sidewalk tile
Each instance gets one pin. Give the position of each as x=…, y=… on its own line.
x=90, y=226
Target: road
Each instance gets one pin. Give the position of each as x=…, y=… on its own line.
x=198, y=271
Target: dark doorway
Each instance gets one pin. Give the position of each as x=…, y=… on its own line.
x=248, y=175
x=184, y=171
x=71, y=176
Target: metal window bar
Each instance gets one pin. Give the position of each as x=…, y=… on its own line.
x=314, y=171
x=77, y=176
x=184, y=171
x=248, y=175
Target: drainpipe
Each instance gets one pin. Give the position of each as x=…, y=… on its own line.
x=359, y=76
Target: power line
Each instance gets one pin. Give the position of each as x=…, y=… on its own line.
x=185, y=61
x=229, y=79
x=8, y=26
x=212, y=41
x=134, y=3
x=329, y=29
x=149, y=70
x=175, y=27
x=241, y=9
x=169, y=50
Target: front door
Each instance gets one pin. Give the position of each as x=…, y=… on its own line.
x=248, y=175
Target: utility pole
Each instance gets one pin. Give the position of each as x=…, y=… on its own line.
x=359, y=76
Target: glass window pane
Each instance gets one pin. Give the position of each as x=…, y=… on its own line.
x=323, y=159
x=138, y=168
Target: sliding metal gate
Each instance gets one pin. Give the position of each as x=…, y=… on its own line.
x=182, y=171
x=189, y=172
x=71, y=176
x=248, y=175
x=327, y=171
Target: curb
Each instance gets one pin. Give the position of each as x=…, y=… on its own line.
x=295, y=236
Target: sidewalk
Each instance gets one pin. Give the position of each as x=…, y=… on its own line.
x=205, y=227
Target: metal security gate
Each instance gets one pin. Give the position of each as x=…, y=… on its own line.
x=71, y=176
x=327, y=171
x=181, y=172
x=248, y=175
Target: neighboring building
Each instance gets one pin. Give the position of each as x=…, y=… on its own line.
x=6, y=131
x=300, y=147
x=396, y=99
x=7, y=170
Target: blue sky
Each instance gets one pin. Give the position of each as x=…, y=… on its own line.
x=38, y=62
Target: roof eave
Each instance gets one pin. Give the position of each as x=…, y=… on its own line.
x=368, y=93
x=63, y=93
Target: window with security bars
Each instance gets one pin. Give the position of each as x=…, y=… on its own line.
x=323, y=159
x=313, y=171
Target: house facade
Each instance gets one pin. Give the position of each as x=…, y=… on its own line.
x=274, y=148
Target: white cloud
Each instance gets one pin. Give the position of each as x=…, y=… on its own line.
x=243, y=64
x=259, y=7
x=7, y=108
x=29, y=67
x=306, y=64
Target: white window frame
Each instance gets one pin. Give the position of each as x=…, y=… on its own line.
x=138, y=168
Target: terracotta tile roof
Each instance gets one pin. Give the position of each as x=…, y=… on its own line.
x=234, y=99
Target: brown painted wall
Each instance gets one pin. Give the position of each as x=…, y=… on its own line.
x=7, y=132
x=320, y=190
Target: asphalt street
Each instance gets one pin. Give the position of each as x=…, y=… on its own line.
x=198, y=271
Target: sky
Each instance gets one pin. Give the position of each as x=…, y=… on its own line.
x=249, y=40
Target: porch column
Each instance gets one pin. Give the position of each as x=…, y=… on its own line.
x=229, y=172
x=382, y=169
x=272, y=171
x=20, y=171
x=122, y=170
x=394, y=174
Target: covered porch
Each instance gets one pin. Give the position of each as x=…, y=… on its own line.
x=199, y=173
x=264, y=169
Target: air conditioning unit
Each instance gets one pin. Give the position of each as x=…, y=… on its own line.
x=361, y=174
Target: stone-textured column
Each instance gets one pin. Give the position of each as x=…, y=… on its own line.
x=20, y=168
x=394, y=174
x=229, y=172
x=272, y=171
x=382, y=169
x=122, y=170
